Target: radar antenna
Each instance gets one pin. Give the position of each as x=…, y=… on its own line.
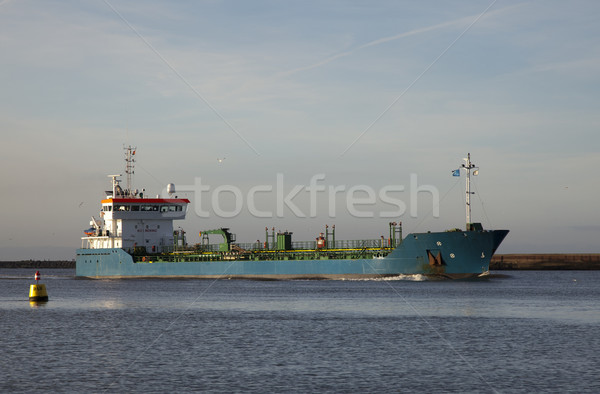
x=129, y=166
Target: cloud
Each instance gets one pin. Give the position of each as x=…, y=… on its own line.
x=587, y=64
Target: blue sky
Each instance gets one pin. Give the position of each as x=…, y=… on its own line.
x=365, y=93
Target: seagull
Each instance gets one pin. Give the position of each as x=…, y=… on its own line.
x=81, y=204
x=220, y=160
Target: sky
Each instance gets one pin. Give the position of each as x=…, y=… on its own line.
x=376, y=102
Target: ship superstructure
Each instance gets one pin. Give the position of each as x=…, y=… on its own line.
x=131, y=221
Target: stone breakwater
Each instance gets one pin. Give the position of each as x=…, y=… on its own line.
x=499, y=262
x=545, y=262
x=38, y=264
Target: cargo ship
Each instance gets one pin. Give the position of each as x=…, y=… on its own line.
x=134, y=237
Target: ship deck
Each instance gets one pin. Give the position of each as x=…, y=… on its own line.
x=265, y=255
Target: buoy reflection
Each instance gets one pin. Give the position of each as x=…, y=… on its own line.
x=37, y=304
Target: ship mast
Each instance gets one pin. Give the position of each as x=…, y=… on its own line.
x=468, y=167
x=129, y=165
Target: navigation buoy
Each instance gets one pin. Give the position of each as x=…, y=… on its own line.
x=38, y=292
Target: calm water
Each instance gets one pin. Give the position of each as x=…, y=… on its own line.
x=523, y=332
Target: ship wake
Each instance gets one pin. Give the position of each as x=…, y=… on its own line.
x=401, y=277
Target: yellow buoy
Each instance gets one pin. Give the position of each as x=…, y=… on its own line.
x=38, y=292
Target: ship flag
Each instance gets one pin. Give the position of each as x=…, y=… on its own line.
x=456, y=172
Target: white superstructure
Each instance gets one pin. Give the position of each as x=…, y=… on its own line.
x=130, y=221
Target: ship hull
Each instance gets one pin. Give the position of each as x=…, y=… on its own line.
x=446, y=254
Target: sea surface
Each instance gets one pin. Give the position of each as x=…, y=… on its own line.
x=513, y=332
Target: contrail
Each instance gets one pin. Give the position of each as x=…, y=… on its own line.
x=181, y=77
x=477, y=18
x=456, y=22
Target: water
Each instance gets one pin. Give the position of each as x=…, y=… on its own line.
x=516, y=333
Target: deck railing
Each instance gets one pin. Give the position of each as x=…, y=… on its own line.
x=256, y=246
x=299, y=245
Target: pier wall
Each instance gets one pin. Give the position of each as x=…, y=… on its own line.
x=38, y=264
x=545, y=262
